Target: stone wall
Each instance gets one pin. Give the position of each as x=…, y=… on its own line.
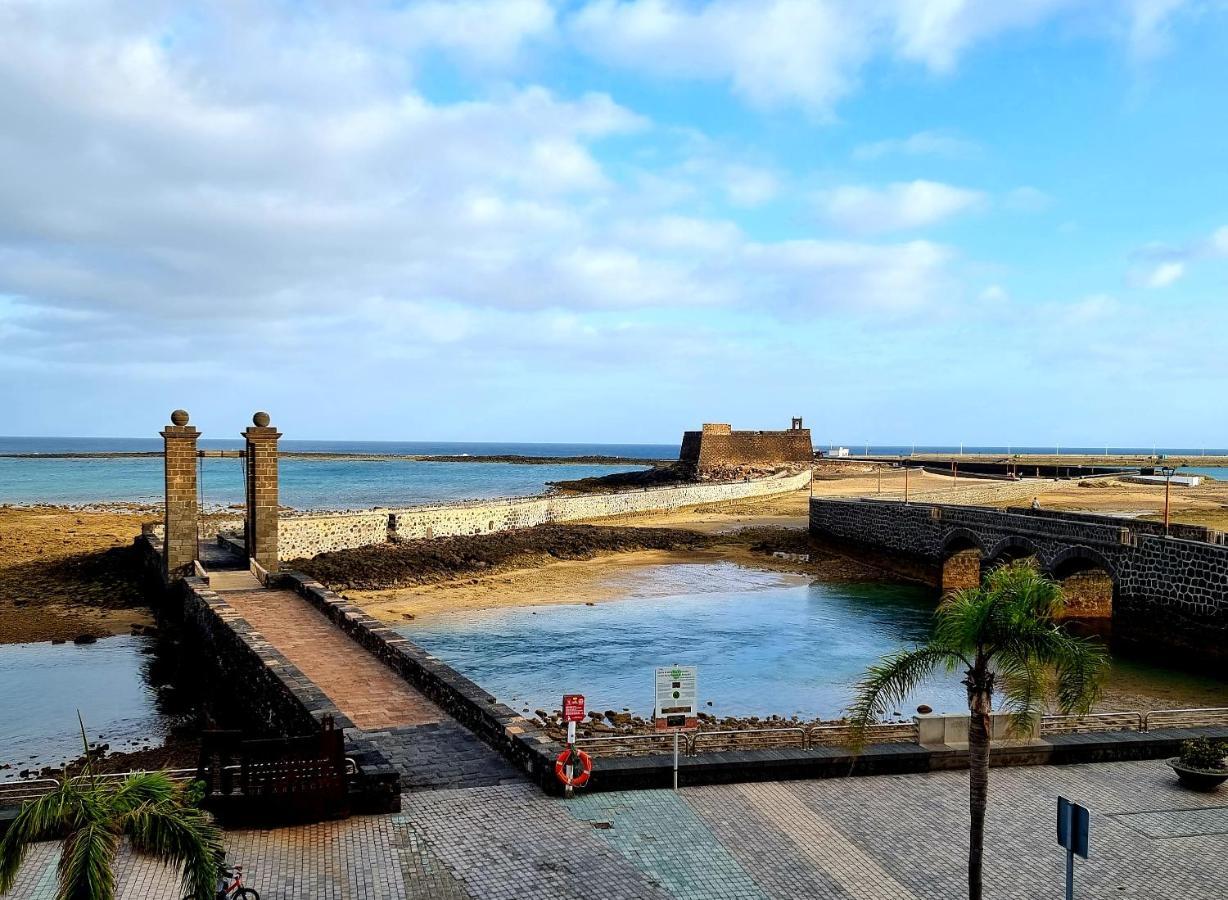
x=306, y=536
x=718, y=447
x=1168, y=592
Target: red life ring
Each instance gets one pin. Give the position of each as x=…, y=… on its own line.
x=577, y=779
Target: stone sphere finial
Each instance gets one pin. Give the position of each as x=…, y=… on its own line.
x=261, y=419
x=179, y=417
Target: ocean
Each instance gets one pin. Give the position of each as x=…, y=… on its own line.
x=306, y=484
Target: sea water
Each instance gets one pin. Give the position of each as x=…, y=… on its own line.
x=45, y=685
x=307, y=484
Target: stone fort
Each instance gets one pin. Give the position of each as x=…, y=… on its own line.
x=718, y=448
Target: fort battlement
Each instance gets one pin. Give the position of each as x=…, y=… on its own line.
x=717, y=449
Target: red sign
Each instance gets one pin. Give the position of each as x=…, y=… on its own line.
x=573, y=707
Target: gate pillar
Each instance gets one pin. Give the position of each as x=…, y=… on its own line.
x=180, y=534
x=260, y=531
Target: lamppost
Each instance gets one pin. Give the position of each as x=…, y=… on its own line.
x=1167, y=472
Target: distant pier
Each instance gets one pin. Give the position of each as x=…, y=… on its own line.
x=1064, y=465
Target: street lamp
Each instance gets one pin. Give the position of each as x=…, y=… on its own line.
x=1167, y=472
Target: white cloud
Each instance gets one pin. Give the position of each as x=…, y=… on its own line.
x=898, y=206
x=811, y=53
x=1148, y=34
x=923, y=143
x=1158, y=265
x=1163, y=275
x=165, y=197
x=1218, y=242
x=995, y=294
x=936, y=33
x=771, y=52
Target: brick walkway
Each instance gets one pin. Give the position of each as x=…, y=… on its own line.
x=362, y=687
x=428, y=747
x=882, y=838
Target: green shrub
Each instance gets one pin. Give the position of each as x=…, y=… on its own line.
x=1204, y=753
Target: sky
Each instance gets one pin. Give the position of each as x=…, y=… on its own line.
x=910, y=221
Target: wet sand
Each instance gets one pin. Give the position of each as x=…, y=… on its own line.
x=591, y=581
x=65, y=572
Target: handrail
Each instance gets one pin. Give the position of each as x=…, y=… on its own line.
x=32, y=788
x=665, y=738
x=1188, y=718
x=844, y=731
x=800, y=731
x=1073, y=724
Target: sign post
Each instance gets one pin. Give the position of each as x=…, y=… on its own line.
x=677, y=706
x=573, y=712
x=1073, y=830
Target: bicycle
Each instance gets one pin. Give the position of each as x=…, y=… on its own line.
x=228, y=889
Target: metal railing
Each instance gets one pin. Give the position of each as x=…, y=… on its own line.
x=876, y=733
x=800, y=737
x=1185, y=718
x=804, y=737
x=748, y=739
x=1093, y=722
x=628, y=744
x=20, y=790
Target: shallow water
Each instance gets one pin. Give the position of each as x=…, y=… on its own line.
x=45, y=684
x=764, y=644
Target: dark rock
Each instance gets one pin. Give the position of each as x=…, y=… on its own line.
x=85, y=639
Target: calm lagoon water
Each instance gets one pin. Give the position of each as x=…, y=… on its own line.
x=45, y=684
x=305, y=483
x=764, y=644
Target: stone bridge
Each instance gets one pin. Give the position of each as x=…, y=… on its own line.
x=1155, y=588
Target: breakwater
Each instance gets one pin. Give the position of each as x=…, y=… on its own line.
x=303, y=536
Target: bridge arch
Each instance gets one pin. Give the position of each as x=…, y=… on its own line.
x=1088, y=580
x=962, y=553
x=1010, y=549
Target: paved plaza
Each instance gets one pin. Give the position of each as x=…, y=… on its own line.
x=880, y=838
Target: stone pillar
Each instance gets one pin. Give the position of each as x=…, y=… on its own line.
x=262, y=505
x=961, y=570
x=179, y=455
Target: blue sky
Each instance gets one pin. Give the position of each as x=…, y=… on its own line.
x=924, y=221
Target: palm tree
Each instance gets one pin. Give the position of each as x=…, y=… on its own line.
x=92, y=815
x=1001, y=633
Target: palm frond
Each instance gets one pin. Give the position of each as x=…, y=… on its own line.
x=87, y=863
x=890, y=681
x=1026, y=683
x=1080, y=675
x=45, y=818
x=179, y=835
x=141, y=788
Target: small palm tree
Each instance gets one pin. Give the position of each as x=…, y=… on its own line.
x=92, y=816
x=1003, y=632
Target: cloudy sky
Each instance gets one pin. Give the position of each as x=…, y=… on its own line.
x=607, y=220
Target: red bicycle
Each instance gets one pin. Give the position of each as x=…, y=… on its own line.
x=230, y=886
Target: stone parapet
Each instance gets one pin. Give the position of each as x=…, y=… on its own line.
x=307, y=536
x=521, y=742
